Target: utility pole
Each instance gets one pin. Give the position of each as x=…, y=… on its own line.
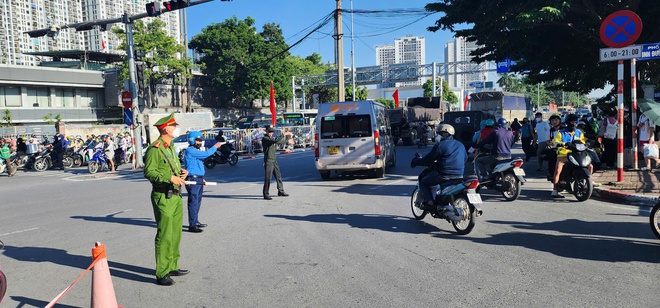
x=187, y=107
x=352, y=51
x=339, y=53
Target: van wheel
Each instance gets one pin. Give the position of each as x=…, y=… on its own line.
x=392, y=161
x=379, y=173
x=325, y=174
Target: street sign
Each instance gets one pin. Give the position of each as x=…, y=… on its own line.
x=650, y=52
x=128, y=117
x=476, y=84
x=126, y=99
x=625, y=53
x=505, y=66
x=620, y=29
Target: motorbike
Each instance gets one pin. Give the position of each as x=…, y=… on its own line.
x=506, y=177
x=3, y=166
x=42, y=161
x=655, y=219
x=455, y=202
x=423, y=141
x=3, y=279
x=219, y=158
x=98, y=162
x=576, y=171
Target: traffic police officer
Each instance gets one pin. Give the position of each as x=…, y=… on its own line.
x=270, y=161
x=163, y=170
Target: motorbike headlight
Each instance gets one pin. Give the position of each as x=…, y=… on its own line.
x=586, y=161
x=580, y=147
x=572, y=160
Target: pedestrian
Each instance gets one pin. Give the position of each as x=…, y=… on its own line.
x=163, y=170
x=542, y=138
x=647, y=139
x=608, y=129
x=193, y=161
x=58, y=151
x=5, y=154
x=269, y=145
x=527, y=139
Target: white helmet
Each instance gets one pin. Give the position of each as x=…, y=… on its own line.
x=445, y=128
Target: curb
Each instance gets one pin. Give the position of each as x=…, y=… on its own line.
x=614, y=195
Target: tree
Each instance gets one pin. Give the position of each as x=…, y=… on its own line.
x=360, y=93
x=7, y=118
x=389, y=103
x=447, y=95
x=161, y=61
x=551, y=40
x=241, y=62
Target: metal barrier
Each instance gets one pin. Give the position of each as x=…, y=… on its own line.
x=248, y=141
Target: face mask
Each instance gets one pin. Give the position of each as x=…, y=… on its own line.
x=538, y=119
x=197, y=146
x=438, y=138
x=176, y=132
x=570, y=127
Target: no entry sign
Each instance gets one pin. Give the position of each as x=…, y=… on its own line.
x=126, y=99
x=620, y=29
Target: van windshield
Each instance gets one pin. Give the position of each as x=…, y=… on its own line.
x=346, y=126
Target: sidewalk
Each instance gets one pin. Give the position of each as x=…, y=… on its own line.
x=639, y=187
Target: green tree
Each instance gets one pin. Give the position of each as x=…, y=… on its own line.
x=361, y=93
x=447, y=95
x=389, y=103
x=551, y=40
x=162, y=61
x=241, y=62
x=7, y=118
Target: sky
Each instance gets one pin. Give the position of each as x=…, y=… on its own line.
x=298, y=17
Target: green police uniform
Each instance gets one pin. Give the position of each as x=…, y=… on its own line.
x=168, y=212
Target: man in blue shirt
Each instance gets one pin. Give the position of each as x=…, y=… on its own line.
x=193, y=162
x=501, y=139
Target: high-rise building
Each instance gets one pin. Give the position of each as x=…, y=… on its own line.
x=459, y=50
x=18, y=16
x=409, y=49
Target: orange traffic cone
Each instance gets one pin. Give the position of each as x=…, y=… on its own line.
x=103, y=293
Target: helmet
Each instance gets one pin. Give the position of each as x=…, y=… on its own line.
x=78, y=137
x=445, y=128
x=482, y=124
x=194, y=135
x=571, y=118
x=490, y=122
x=68, y=137
x=502, y=122
x=555, y=116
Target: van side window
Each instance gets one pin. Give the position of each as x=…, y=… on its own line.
x=341, y=126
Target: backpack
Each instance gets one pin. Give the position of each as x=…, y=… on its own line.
x=610, y=129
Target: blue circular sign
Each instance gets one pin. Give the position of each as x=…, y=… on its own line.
x=621, y=29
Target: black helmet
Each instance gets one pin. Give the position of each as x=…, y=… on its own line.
x=502, y=122
x=571, y=118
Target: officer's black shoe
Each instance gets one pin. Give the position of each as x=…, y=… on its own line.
x=282, y=194
x=179, y=272
x=165, y=281
x=201, y=225
x=267, y=197
x=194, y=229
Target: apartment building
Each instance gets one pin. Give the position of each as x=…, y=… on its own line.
x=406, y=50
x=459, y=50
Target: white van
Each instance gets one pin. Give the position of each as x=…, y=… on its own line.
x=353, y=136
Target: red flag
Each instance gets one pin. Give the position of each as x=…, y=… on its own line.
x=396, y=98
x=102, y=44
x=273, y=107
x=465, y=103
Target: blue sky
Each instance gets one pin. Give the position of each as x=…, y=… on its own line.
x=295, y=16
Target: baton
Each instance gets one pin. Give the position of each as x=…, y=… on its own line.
x=200, y=183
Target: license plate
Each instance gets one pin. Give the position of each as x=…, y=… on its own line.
x=333, y=150
x=519, y=171
x=474, y=198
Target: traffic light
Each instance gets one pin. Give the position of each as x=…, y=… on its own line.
x=141, y=81
x=176, y=4
x=153, y=9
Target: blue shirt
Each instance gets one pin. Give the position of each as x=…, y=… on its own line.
x=501, y=139
x=193, y=160
x=448, y=156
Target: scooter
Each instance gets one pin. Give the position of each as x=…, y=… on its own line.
x=98, y=162
x=42, y=161
x=219, y=158
x=576, y=171
x=454, y=202
x=655, y=219
x=423, y=141
x=506, y=177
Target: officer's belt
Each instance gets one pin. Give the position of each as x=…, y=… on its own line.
x=164, y=189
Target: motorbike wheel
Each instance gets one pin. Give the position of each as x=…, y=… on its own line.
x=466, y=224
x=416, y=204
x=583, y=188
x=233, y=160
x=655, y=220
x=93, y=167
x=41, y=165
x=77, y=161
x=514, y=192
x=209, y=164
x=3, y=168
x=67, y=161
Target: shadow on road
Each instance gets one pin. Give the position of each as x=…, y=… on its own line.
x=388, y=223
x=147, y=222
x=31, y=302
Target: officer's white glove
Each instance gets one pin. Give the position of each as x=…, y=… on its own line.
x=471, y=150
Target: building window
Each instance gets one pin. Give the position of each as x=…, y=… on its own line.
x=37, y=97
x=88, y=98
x=11, y=96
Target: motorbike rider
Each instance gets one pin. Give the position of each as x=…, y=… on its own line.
x=565, y=135
x=551, y=151
x=448, y=158
x=501, y=140
x=225, y=149
x=422, y=133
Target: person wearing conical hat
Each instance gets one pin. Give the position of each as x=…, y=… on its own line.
x=163, y=170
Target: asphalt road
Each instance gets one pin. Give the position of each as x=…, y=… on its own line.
x=350, y=241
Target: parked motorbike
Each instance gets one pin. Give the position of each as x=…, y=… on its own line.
x=655, y=219
x=454, y=202
x=575, y=177
x=219, y=158
x=506, y=177
x=18, y=161
x=42, y=161
x=98, y=162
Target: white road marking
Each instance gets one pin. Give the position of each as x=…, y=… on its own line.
x=17, y=232
x=387, y=184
